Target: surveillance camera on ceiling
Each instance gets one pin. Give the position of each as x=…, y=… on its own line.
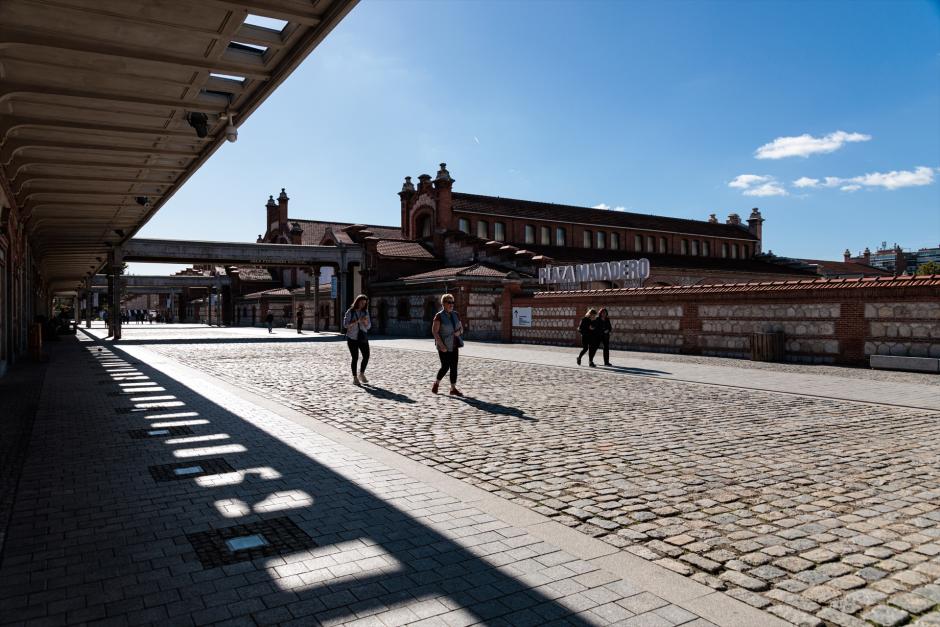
x=231, y=133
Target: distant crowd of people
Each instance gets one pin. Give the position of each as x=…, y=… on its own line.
x=140, y=316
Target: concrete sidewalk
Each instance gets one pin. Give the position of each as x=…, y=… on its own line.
x=144, y=474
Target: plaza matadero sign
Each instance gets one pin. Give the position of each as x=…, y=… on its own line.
x=633, y=270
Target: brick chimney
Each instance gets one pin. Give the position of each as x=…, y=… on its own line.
x=296, y=233
x=407, y=195
x=900, y=262
x=712, y=219
x=755, y=226
x=847, y=255
x=282, y=211
x=271, y=224
x=867, y=256
x=734, y=219
x=443, y=183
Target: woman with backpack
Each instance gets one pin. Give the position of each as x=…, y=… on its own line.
x=357, y=325
x=447, y=330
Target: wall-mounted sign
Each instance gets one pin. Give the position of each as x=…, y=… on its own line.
x=631, y=270
x=333, y=287
x=522, y=316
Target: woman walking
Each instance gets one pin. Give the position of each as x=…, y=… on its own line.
x=447, y=330
x=604, y=327
x=589, y=336
x=357, y=324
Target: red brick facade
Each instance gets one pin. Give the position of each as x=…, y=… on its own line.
x=823, y=321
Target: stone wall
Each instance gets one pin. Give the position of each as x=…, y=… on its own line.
x=906, y=329
x=482, y=315
x=823, y=321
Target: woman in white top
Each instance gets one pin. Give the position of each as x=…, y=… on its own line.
x=357, y=324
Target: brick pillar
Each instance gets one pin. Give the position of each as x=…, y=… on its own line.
x=510, y=289
x=851, y=332
x=690, y=326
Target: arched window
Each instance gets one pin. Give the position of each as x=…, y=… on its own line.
x=638, y=243
x=650, y=244
x=463, y=225
x=424, y=227
x=483, y=229
x=546, y=236
x=529, y=234
x=663, y=245
x=560, y=236
x=734, y=251
x=724, y=250
x=601, y=239
x=684, y=247
x=615, y=241
x=499, y=231
x=706, y=249
x=587, y=238
x=695, y=248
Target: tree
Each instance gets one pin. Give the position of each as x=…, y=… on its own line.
x=931, y=267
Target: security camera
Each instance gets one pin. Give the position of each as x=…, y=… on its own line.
x=143, y=201
x=231, y=133
x=200, y=122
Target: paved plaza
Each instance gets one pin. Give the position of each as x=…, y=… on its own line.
x=667, y=490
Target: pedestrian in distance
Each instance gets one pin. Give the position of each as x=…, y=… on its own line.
x=357, y=325
x=300, y=318
x=590, y=338
x=604, y=328
x=447, y=330
x=270, y=320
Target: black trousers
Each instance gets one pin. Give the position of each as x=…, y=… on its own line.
x=605, y=341
x=354, y=349
x=300, y=324
x=589, y=346
x=448, y=363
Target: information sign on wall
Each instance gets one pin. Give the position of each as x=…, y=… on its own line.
x=333, y=287
x=522, y=316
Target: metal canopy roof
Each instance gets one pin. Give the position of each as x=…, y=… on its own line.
x=95, y=98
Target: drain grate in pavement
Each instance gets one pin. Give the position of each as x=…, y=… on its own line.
x=190, y=469
x=242, y=543
x=139, y=434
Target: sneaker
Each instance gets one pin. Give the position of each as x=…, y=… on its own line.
x=593, y=365
x=579, y=360
x=356, y=381
x=607, y=363
x=455, y=392
x=362, y=377
x=435, y=387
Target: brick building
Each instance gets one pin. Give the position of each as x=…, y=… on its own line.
x=485, y=248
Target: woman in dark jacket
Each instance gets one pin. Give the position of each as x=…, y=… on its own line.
x=589, y=336
x=604, y=328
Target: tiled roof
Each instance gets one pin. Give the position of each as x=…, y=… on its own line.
x=846, y=267
x=300, y=291
x=253, y=274
x=570, y=254
x=932, y=280
x=475, y=270
x=314, y=230
x=272, y=293
x=523, y=209
x=403, y=249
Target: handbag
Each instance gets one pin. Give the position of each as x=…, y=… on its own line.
x=458, y=339
x=362, y=336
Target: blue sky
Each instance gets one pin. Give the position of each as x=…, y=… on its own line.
x=678, y=108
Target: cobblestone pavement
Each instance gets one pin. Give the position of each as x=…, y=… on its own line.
x=820, y=511
x=140, y=476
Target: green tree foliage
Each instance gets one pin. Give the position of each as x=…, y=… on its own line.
x=931, y=267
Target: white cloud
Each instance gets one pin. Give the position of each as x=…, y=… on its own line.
x=805, y=181
x=607, y=207
x=767, y=189
x=744, y=181
x=476, y=139
x=757, y=185
x=806, y=145
x=895, y=179
x=619, y=208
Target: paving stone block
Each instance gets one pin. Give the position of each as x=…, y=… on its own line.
x=885, y=616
